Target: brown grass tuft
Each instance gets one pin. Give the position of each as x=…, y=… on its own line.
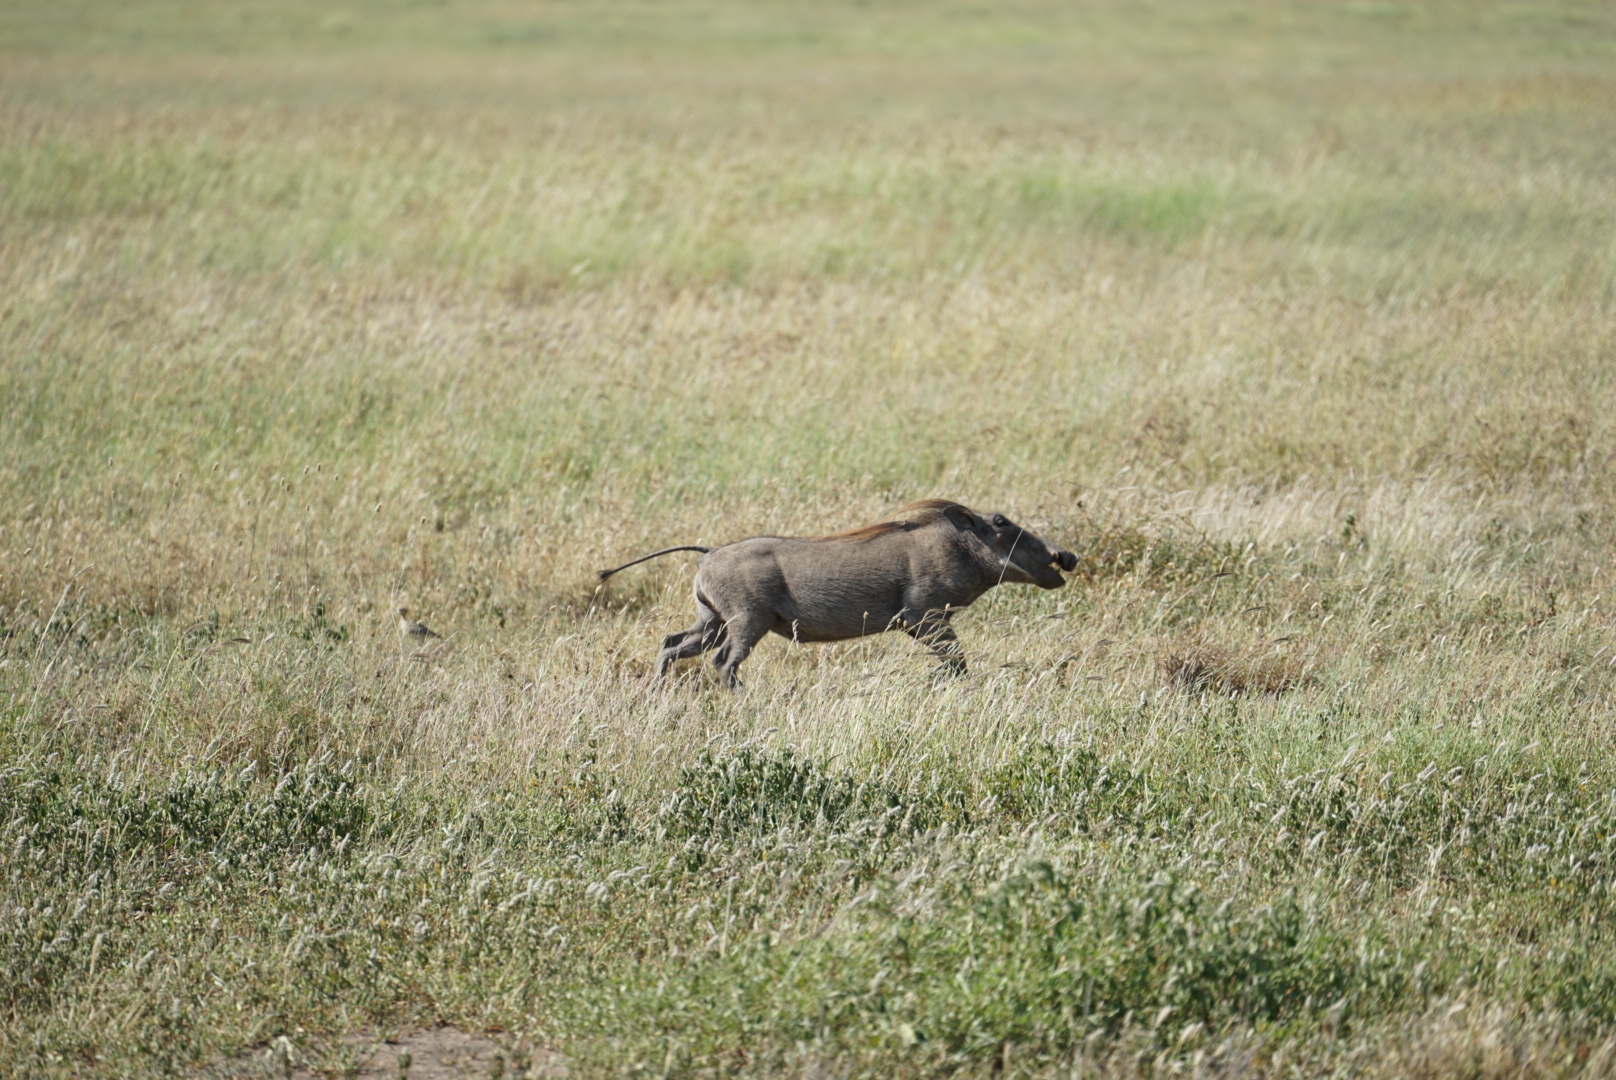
x=1199, y=665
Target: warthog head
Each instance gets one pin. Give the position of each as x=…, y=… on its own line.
x=1024, y=557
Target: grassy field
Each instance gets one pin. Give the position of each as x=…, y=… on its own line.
x=1296, y=321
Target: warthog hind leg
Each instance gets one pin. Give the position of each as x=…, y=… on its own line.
x=708, y=633
x=934, y=632
x=743, y=638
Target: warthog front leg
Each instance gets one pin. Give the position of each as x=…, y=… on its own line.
x=934, y=632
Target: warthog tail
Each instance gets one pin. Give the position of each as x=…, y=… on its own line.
x=604, y=574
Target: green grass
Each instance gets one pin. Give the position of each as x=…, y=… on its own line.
x=1294, y=322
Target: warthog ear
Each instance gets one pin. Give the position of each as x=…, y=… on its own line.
x=960, y=516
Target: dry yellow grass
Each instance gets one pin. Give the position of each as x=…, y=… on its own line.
x=1295, y=322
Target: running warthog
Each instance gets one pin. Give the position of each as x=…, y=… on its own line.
x=909, y=575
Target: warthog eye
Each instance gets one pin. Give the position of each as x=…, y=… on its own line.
x=1000, y=521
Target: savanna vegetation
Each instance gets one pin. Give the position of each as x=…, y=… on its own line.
x=1294, y=321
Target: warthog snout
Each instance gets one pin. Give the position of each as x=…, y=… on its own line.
x=910, y=575
x=1024, y=556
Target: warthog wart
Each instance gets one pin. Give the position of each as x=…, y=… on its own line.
x=910, y=575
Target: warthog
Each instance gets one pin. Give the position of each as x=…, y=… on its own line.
x=909, y=575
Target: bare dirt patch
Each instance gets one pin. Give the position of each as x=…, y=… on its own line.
x=436, y=1053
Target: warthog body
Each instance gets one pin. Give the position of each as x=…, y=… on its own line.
x=909, y=575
